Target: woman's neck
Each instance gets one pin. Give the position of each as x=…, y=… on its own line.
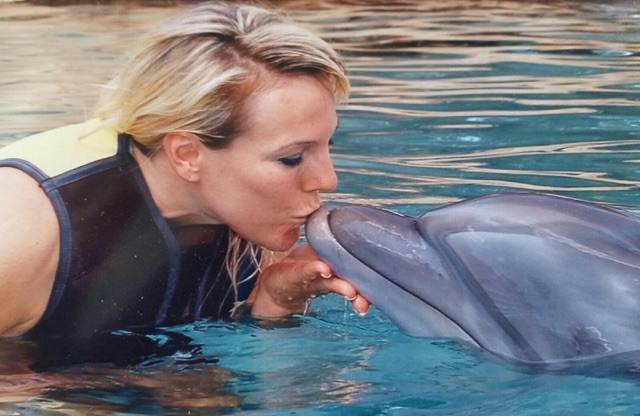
x=174, y=197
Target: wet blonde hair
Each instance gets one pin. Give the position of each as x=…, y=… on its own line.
x=196, y=72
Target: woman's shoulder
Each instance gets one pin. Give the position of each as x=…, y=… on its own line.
x=29, y=250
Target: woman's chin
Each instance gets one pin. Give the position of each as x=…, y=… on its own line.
x=286, y=241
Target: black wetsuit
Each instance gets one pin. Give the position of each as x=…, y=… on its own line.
x=122, y=265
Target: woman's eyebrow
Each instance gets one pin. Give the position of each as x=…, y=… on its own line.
x=291, y=147
x=302, y=143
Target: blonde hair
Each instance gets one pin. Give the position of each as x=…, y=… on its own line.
x=196, y=72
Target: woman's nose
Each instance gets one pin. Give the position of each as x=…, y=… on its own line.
x=322, y=177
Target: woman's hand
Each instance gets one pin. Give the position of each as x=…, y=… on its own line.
x=286, y=287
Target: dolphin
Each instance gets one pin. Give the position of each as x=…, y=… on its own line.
x=539, y=281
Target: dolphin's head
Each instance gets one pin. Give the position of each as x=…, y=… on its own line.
x=535, y=278
x=384, y=256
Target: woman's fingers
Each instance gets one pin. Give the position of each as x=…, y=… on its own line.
x=346, y=290
x=286, y=286
x=322, y=281
x=361, y=305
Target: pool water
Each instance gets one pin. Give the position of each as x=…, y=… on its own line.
x=451, y=99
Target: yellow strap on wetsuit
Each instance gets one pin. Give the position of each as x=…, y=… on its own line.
x=66, y=148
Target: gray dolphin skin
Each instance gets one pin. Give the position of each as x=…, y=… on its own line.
x=537, y=280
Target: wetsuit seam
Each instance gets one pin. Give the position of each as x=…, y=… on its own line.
x=202, y=286
x=124, y=150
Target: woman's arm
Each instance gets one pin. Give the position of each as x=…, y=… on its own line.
x=286, y=286
x=29, y=251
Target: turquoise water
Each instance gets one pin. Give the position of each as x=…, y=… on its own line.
x=450, y=100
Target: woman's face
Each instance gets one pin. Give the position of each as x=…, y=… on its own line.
x=266, y=183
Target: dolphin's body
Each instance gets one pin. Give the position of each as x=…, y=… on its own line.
x=542, y=281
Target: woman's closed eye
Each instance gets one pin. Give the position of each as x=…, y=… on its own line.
x=291, y=161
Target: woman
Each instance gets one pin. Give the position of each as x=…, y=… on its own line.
x=207, y=156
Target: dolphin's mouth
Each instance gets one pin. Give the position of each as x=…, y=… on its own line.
x=386, y=242
x=384, y=256
x=319, y=220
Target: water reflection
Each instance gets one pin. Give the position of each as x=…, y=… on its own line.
x=117, y=372
x=53, y=60
x=519, y=54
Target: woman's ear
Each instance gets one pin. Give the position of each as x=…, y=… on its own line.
x=183, y=150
